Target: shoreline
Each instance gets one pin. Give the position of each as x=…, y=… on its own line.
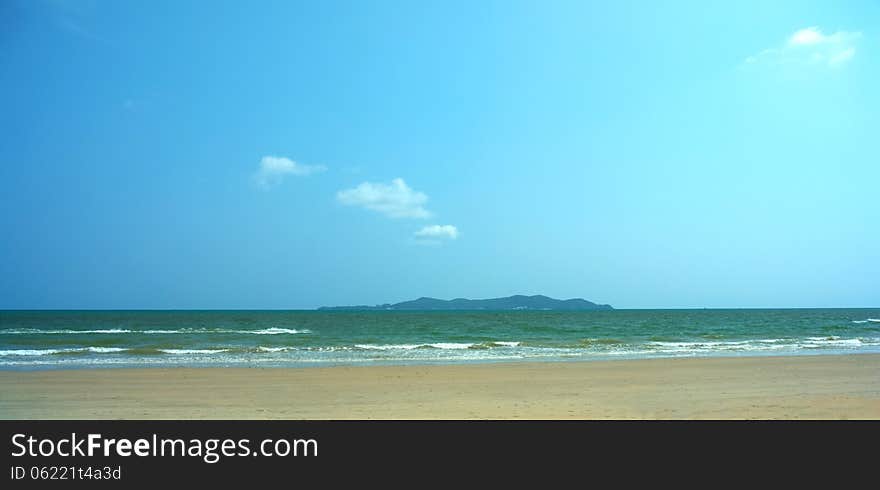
x=419, y=362
x=821, y=386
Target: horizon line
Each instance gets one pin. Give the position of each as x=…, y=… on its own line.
x=317, y=308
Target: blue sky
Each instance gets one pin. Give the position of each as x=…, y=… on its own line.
x=204, y=154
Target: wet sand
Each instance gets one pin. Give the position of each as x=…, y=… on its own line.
x=795, y=387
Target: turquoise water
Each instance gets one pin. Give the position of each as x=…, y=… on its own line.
x=68, y=339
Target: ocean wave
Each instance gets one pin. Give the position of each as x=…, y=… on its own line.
x=31, y=331
x=703, y=344
x=871, y=320
x=451, y=345
x=274, y=331
x=72, y=350
x=30, y=352
x=388, y=346
x=813, y=342
x=105, y=350
x=439, y=345
x=757, y=345
x=435, y=345
x=263, y=331
x=602, y=341
x=136, y=351
x=233, y=351
x=192, y=351
x=274, y=349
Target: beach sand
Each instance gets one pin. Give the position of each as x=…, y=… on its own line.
x=797, y=387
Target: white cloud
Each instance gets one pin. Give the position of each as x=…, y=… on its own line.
x=810, y=35
x=842, y=57
x=273, y=170
x=810, y=46
x=395, y=200
x=438, y=231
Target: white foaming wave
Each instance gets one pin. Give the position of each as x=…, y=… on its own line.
x=388, y=346
x=833, y=341
x=507, y=344
x=265, y=331
x=713, y=346
x=437, y=345
x=274, y=331
x=31, y=352
x=28, y=331
x=46, y=352
x=701, y=344
x=192, y=351
x=451, y=345
x=275, y=349
x=187, y=331
x=765, y=344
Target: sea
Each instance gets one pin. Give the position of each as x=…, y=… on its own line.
x=226, y=338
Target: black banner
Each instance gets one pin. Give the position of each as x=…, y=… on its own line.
x=65, y=454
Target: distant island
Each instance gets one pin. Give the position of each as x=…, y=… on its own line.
x=517, y=302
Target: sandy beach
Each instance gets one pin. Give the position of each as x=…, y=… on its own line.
x=795, y=387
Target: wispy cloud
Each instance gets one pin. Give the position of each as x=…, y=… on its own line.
x=395, y=200
x=274, y=169
x=432, y=235
x=810, y=46
x=73, y=17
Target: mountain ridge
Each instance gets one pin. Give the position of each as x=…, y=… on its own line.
x=515, y=302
